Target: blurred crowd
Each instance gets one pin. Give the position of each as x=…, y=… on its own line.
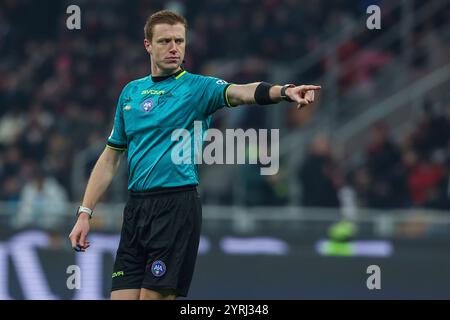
x=59, y=87
x=411, y=172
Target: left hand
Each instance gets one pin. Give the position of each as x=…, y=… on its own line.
x=302, y=95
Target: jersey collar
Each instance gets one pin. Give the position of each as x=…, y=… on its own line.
x=162, y=78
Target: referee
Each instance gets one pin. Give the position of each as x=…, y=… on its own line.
x=162, y=218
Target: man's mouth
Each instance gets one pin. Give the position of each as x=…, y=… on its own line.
x=172, y=59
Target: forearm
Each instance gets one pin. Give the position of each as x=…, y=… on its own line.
x=263, y=93
x=245, y=93
x=101, y=177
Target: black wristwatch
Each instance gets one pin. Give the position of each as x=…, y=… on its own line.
x=283, y=92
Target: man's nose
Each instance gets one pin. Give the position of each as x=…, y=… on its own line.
x=172, y=46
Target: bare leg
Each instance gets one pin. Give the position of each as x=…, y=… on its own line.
x=125, y=294
x=147, y=294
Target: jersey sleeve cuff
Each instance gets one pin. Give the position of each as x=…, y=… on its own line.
x=117, y=147
x=225, y=96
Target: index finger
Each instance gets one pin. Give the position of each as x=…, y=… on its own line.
x=311, y=87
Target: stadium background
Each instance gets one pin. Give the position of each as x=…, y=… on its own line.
x=364, y=173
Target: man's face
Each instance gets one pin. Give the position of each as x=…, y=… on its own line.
x=167, y=46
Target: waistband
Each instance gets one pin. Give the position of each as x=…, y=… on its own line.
x=161, y=190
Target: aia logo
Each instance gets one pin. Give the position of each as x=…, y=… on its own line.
x=158, y=268
x=147, y=105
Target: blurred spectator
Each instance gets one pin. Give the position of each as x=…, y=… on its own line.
x=11, y=126
x=384, y=164
x=42, y=203
x=431, y=132
x=57, y=158
x=423, y=179
x=319, y=176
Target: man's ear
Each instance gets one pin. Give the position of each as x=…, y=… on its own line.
x=148, y=46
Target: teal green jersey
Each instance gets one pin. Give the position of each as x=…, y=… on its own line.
x=148, y=112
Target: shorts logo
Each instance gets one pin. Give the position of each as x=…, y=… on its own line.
x=221, y=81
x=158, y=268
x=147, y=105
x=117, y=274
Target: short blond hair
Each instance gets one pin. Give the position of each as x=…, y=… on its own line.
x=160, y=17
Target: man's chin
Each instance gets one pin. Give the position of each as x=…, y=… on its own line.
x=172, y=65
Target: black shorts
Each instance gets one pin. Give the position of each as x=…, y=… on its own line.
x=159, y=241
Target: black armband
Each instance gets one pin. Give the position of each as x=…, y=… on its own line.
x=262, y=95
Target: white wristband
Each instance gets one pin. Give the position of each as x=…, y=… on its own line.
x=85, y=210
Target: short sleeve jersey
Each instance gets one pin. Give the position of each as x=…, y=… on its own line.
x=148, y=112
